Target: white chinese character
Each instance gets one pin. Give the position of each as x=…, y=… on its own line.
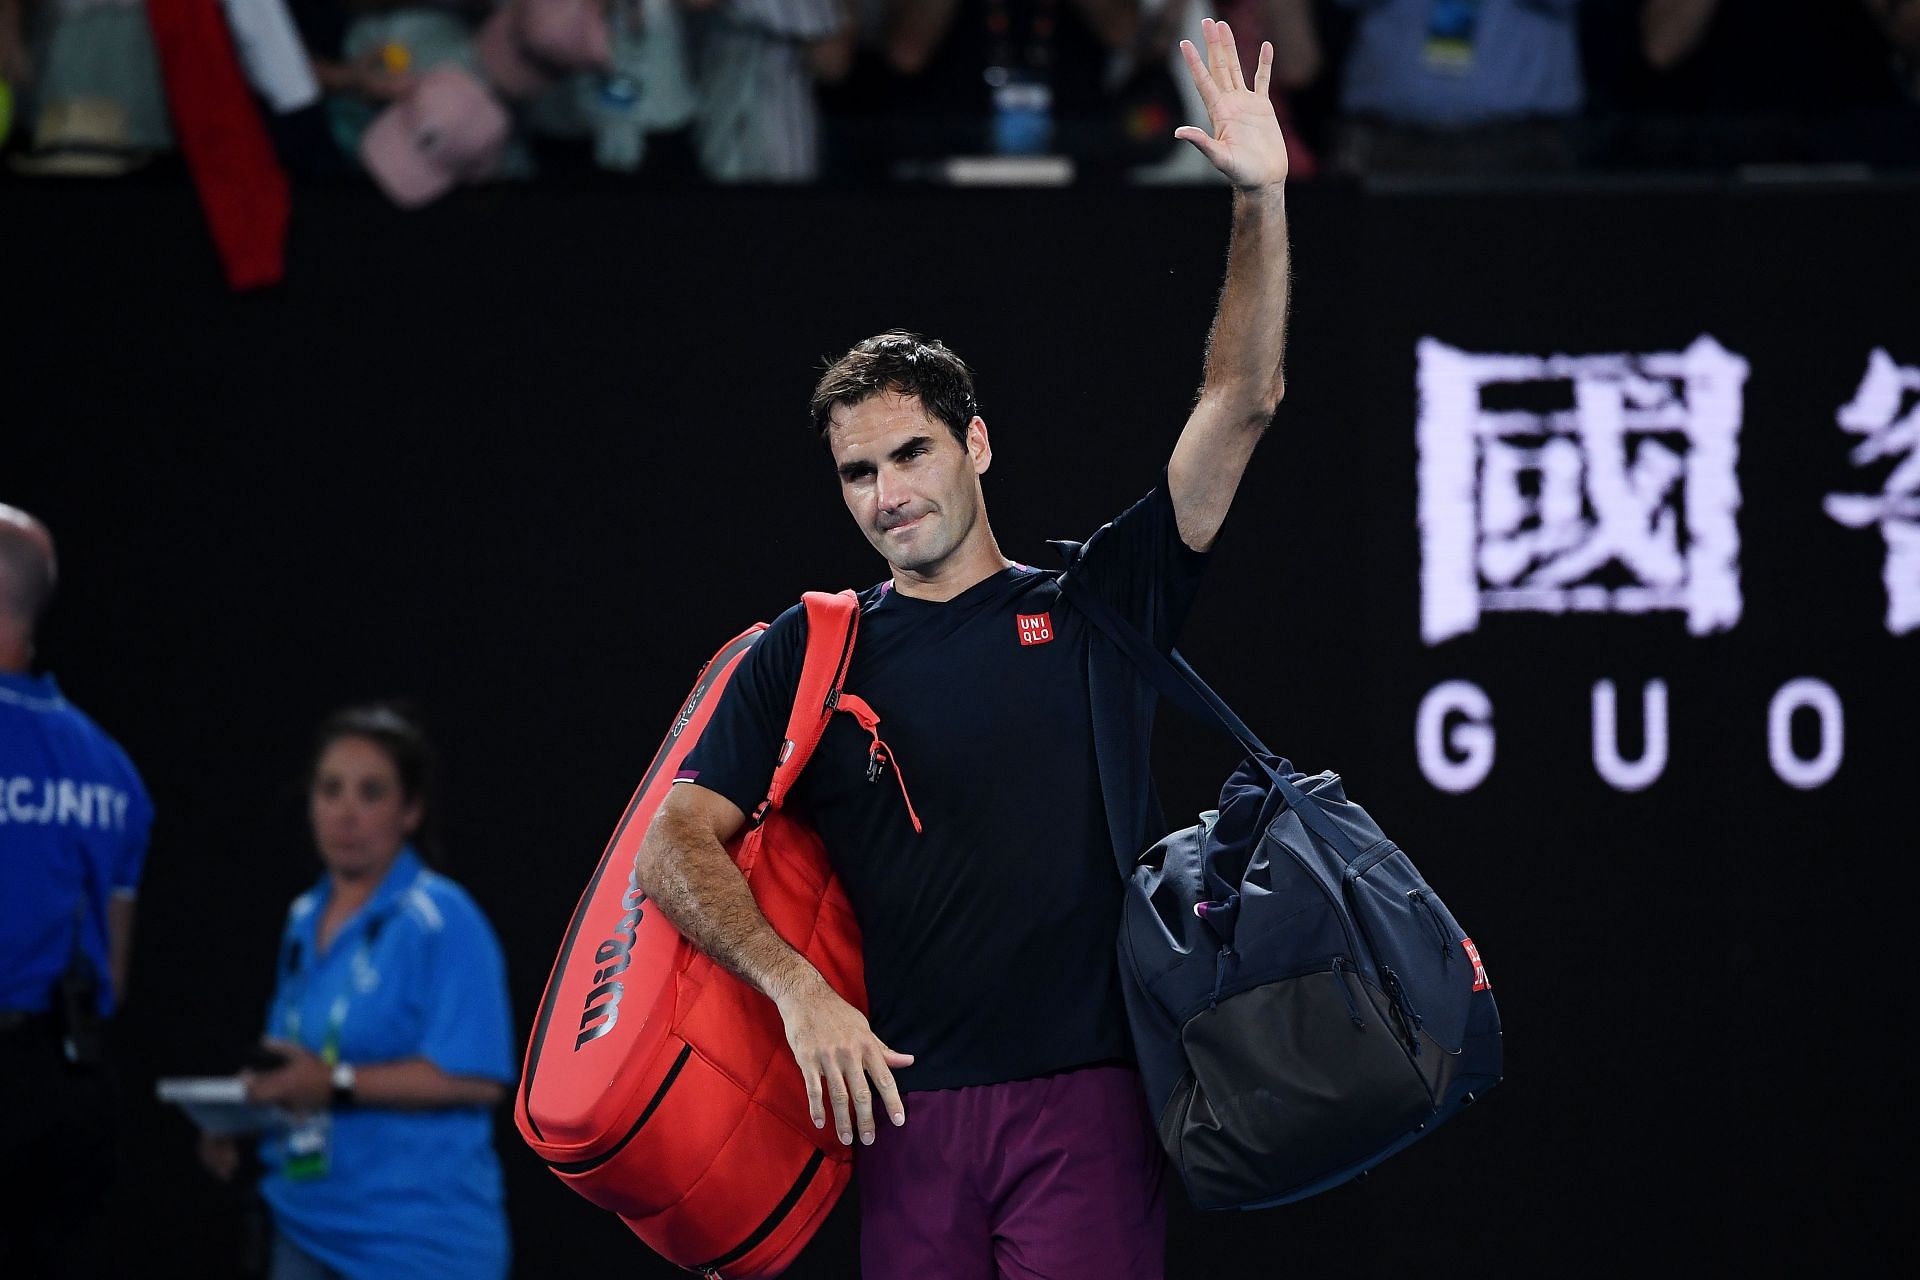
x=1583, y=484
x=1875, y=412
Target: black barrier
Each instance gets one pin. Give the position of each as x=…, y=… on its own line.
x=1590, y=562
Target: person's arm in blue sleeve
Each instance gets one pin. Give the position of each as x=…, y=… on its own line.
x=305, y=1083
x=465, y=1056
x=469, y=1030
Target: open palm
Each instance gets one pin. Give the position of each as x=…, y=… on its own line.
x=1246, y=144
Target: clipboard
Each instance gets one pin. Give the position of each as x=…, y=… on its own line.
x=218, y=1104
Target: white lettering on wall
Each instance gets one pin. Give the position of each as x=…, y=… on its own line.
x=1885, y=410
x=1455, y=758
x=1796, y=770
x=1454, y=735
x=1590, y=484
x=1622, y=774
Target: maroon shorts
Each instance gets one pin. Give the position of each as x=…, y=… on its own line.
x=1058, y=1178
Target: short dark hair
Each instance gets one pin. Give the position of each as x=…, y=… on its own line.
x=395, y=729
x=906, y=364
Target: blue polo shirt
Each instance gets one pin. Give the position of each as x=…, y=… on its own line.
x=1513, y=59
x=416, y=973
x=74, y=818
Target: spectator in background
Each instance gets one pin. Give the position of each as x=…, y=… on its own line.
x=16, y=62
x=365, y=55
x=1900, y=19
x=372, y=72
x=391, y=1015
x=1707, y=84
x=1286, y=24
x=74, y=819
x=317, y=138
x=979, y=77
x=1460, y=87
x=757, y=118
x=384, y=50
x=1298, y=58
x=86, y=82
x=612, y=73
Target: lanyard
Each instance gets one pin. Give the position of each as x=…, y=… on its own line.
x=337, y=1011
x=336, y=1017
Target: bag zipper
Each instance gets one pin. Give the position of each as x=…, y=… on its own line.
x=1423, y=898
x=840, y=671
x=1353, y=1010
x=1408, y=1016
x=1389, y=980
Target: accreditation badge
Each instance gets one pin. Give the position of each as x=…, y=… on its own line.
x=1451, y=28
x=309, y=1147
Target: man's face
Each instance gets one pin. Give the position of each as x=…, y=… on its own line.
x=913, y=489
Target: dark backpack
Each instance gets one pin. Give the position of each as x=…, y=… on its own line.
x=1303, y=1004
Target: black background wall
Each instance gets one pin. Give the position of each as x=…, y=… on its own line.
x=529, y=456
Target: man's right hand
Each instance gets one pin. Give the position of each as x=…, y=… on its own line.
x=838, y=1055
x=684, y=867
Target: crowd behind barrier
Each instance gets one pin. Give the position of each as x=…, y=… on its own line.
x=423, y=96
x=428, y=94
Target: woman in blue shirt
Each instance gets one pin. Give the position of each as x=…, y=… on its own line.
x=391, y=1011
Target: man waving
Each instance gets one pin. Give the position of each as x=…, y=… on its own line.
x=977, y=856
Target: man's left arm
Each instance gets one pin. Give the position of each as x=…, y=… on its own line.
x=136, y=821
x=120, y=906
x=1243, y=382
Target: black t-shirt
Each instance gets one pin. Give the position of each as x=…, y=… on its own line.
x=989, y=935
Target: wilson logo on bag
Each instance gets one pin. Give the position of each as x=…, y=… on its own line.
x=658, y=1085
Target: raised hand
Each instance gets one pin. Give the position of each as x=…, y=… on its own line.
x=1246, y=144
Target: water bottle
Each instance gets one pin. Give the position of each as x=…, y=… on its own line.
x=1022, y=112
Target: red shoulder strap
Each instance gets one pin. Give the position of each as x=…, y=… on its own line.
x=832, y=620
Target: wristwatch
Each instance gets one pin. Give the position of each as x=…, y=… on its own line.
x=342, y=1084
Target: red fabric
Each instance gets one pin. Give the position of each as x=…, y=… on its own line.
x=660, y=1086
x=243, y=190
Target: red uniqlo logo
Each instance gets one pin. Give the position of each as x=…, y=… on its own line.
x=1036, y=628
x=1480, y=982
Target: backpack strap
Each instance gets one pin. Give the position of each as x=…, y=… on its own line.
x=1181, y=685
x=832, y=620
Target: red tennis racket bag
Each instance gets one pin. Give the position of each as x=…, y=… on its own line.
x=657, y=1084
